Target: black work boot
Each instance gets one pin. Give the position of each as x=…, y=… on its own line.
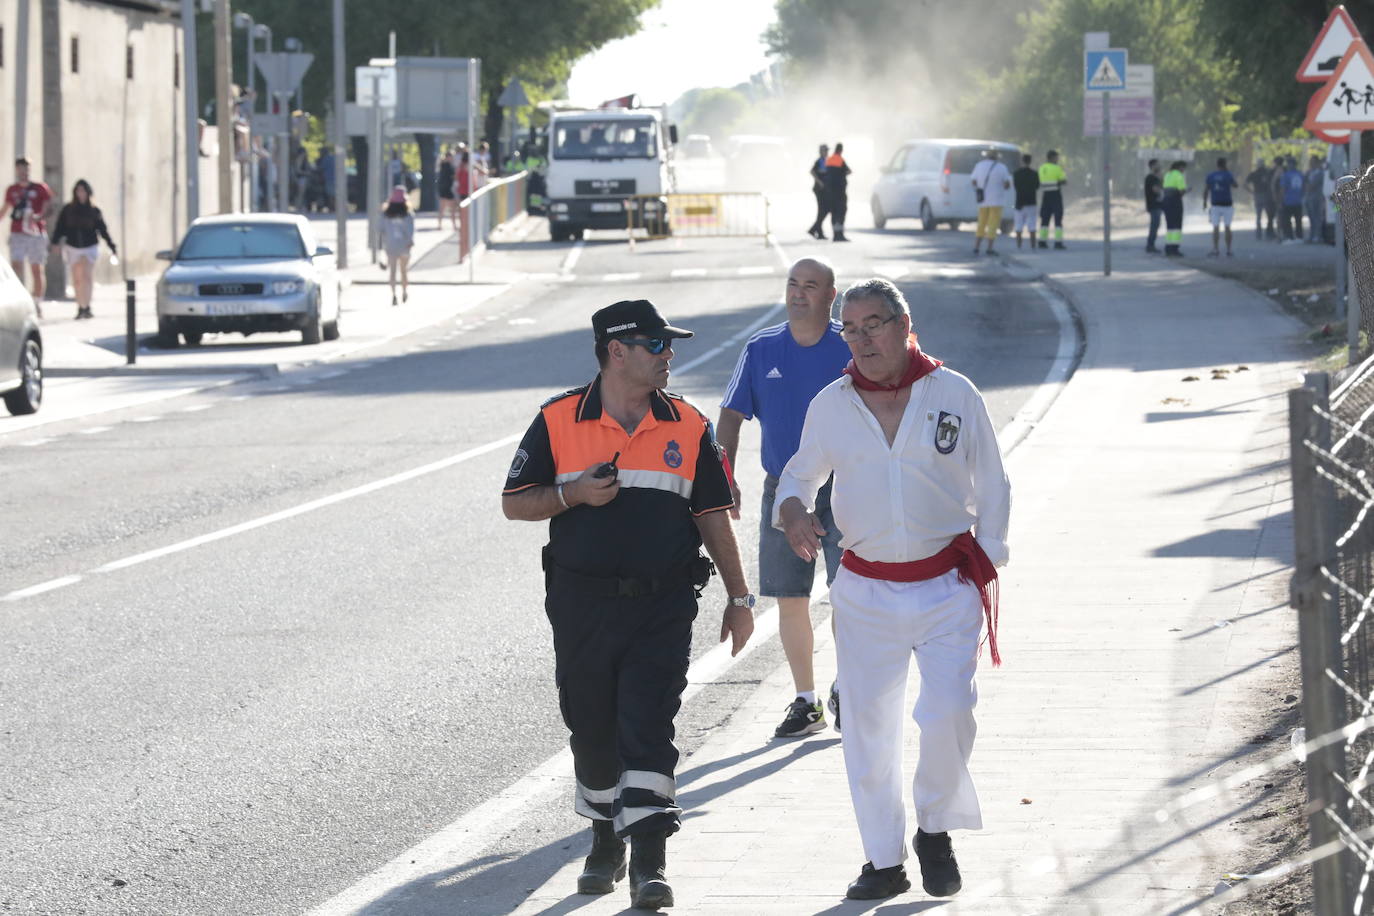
x=649, y=888
x=606, y=864
x=939, y=870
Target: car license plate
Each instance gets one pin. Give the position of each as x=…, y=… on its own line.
x=229, y=308
x=607, y=206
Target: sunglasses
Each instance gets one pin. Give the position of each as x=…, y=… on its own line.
x=654, y=345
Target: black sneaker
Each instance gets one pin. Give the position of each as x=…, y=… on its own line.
x=834, y=703
x=939, y=870
x=877, y=883
x=803, y=718
x=1059, y=246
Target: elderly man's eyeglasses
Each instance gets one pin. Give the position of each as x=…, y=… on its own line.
x=870, y=329
x=654, y=345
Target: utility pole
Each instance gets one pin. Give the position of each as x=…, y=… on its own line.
x=192, y=105
x=1106, y=184
x=340, y=134
x=21, y=81
x=224, y=108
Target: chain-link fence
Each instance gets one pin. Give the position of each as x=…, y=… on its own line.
x=1332, y=437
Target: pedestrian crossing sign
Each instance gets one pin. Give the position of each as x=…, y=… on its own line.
x=1105, y=70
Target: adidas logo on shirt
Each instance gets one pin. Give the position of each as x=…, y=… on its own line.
x=773, y=373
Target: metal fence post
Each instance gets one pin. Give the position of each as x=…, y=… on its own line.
x=1319, y=628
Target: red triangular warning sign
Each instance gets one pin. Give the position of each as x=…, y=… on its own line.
x=1347, y=99
x=1332, y=42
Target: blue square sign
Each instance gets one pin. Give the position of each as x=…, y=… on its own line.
x=1104, y=71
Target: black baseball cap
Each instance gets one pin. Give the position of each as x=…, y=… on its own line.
x=633, y=316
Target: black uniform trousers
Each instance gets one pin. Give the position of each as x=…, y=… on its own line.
x=1052, y=208
x=621, y=669
x=837, y=196
x=822, y=209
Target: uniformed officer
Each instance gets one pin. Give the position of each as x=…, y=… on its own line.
x=1175, y=186
x=1052, y=181
x=633, y=483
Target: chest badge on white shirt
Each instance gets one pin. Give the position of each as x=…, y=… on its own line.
x=947, y=432
x=773, y=373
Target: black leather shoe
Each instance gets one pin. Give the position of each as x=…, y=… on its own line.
x=606, y=864
x=939, y=870
x=877, y=883
x=649, y=889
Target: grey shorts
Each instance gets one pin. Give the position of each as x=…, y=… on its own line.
x=783, y=574
x=31, y=248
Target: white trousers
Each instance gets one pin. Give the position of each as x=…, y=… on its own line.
x=878, y=626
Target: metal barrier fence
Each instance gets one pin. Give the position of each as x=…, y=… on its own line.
x=495, y=203
x=727, y=214
x=1355, y=231
x=1332, y=450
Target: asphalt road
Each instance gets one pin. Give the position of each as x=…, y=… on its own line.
x=253, y=722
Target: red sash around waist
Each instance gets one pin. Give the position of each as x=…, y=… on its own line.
x=964, y=554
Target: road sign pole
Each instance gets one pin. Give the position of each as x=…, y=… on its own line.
x=284, y=154
x=1106, y=185
x=1352, y=314
x=192, y=110
x=340, y=188
x=472, y=185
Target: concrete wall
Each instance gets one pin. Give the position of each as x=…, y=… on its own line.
x=123, y=135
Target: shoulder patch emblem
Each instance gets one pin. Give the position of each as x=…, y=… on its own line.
x=518, y=465
x=947, y=432
x=672, y=456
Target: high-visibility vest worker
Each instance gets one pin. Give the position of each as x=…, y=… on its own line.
x=1052, y=180
x=1175, y=186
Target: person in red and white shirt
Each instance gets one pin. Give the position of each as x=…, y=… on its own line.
x=27, y=203
x=923, y=502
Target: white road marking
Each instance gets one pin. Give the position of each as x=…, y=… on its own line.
x=342, y=496
x=755, y=271
x=95, y=430
x=40, y=588
x=240, y=397
x=1058, y=375
x=621, y=278
x=569, y=262
x=688, y=272
x=32, y=442
x=148, y=419
x=196, y=408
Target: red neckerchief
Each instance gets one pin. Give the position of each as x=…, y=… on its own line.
x=919, y=365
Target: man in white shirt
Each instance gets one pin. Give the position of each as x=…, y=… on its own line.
x=991, y=181
x=924, y=502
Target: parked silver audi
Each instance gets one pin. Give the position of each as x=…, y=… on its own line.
x=247, y=273
x=21, y=346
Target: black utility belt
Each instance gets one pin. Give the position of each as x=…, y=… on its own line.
x=696, y=574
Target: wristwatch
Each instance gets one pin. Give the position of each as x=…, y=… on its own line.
x=743, y=601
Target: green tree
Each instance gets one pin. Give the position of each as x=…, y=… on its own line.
x=537, y=40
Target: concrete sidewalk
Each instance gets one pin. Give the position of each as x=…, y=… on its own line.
x=1145, y=622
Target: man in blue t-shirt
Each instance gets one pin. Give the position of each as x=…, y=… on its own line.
x=1292, y=185
x=781, y=369
x=1217, y=188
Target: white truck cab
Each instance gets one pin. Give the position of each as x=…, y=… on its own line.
x=604, y=159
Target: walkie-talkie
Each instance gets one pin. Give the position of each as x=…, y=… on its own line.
x=608, y=469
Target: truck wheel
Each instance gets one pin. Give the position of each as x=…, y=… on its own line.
x=558, y=233
x=193, y=337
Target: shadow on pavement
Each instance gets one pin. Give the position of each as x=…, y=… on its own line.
x=487, y=885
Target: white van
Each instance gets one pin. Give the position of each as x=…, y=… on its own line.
x=931, y=180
